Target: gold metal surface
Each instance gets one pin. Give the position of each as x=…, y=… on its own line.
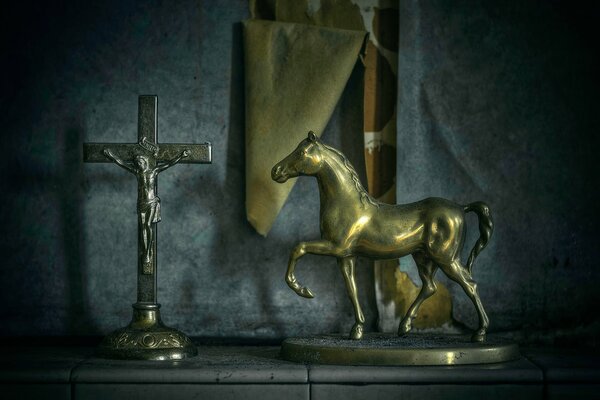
x=354, y=224
x=147, y=338
x=388, y=349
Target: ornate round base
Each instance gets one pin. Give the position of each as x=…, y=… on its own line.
x=389, y=349
x=147, y=338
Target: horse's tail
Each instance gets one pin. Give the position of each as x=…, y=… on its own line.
x=486, y=227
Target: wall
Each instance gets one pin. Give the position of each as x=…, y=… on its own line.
x=73, y=74
x=497, y=102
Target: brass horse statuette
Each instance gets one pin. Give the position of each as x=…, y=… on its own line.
x=354, y=224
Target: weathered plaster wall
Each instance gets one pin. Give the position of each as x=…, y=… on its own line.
x=73, y=74
x=496, y=103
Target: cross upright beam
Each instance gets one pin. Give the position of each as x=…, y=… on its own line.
x=146, y=337
x=156, y=157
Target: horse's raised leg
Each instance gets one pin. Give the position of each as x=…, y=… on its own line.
x=322, y=247
x=458, y=273
x=427, y=270
x=347, y=267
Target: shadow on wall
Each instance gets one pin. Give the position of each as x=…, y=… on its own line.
x=46, y=281
x=70, y=198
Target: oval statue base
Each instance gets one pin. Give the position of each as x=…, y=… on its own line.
x=147, y=338
x=389, y=349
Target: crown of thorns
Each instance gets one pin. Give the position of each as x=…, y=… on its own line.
x=151, y=147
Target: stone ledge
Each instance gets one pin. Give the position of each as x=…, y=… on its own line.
x=228, y=371
x=212, y=365
x=567, y=365
x=513, y=372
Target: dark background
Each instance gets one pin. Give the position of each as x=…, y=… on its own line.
x=497, y=101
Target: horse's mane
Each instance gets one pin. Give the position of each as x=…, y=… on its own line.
x=364, y=195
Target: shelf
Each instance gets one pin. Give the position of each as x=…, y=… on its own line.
x=230, y=372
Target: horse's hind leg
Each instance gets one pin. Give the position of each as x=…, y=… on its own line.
x=347, y=266
x=458, y=273
x=427, y=270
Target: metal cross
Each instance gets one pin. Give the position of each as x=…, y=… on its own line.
x=146, y=159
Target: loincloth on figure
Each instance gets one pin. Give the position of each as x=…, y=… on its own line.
x=150, y=206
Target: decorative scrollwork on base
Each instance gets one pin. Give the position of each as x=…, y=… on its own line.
x=147, y=340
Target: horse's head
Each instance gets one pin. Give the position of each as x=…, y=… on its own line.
x=305, y=160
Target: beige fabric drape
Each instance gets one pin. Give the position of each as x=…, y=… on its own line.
x=295, y=75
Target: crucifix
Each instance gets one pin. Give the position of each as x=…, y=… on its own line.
x=146, y=337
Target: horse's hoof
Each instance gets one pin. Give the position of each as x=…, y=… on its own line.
x=305, y=292
x=478, y=337
x=404, y=328
x=357, y=332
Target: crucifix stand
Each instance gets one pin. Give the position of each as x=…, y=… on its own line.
x=146, y=337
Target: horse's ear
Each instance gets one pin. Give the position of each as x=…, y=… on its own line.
x=311, y=136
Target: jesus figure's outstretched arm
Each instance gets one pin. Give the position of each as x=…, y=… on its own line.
x=118, y=161
x=172, y=162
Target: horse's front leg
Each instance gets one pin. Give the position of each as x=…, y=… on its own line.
x=347, y=266
x=321, y=247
